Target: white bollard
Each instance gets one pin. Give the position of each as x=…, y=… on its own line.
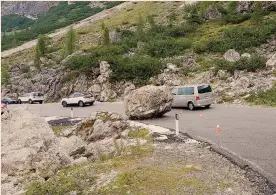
x=176, y=125
x=72, y=113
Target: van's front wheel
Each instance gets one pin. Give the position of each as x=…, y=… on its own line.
x=191, y=106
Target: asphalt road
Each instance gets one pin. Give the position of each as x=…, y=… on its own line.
x=248, y=132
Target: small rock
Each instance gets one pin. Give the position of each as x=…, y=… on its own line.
x=80, y=160
x=188, y=166
x=231, y=55
x=245, y=55
x=161, y=138
x=271, y=63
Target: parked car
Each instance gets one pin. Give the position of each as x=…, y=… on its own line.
x=31, y=98
x=193, y=96
x=3, y=108
x=80, y=99
x=7, y=100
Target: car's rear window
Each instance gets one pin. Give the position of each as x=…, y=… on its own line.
x=204, y=89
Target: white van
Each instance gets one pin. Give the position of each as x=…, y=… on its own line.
x=192, y=96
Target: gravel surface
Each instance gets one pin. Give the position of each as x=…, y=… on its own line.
x=214, y=169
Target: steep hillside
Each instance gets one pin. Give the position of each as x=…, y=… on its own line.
x=229, y=44
x=56, y=17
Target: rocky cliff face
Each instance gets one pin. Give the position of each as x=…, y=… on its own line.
x=56, y=81
x=32, y=8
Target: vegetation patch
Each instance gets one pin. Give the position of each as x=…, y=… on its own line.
x=57, y=17
x=57, y=129
x=261, y=97
x=138, y=133
x=155, y=180
x=250, y=64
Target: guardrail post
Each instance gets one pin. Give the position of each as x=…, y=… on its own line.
x=176, y=125
x=72, y=113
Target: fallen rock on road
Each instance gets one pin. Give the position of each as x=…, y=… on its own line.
x=148, y=102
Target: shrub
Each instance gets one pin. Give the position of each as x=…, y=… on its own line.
x=250, y=64
x=181, y=31
x=165, y=47
x=242, y=38
x=4, y=76
x=263, y=97
x=136, y=68
x=235, y=18
x=79, y=62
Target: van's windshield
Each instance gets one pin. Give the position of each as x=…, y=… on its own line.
x=204, y=89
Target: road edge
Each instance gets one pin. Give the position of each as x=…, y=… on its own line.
x=233, y=158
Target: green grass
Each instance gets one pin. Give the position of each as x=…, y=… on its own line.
x=59, y=128
x=144, y=180
x=138, y=133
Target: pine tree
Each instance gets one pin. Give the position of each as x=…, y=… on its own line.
x=41, y=42
x=257, y=13
x=106, y=39
x=70, y=42
x=37, y=57
x=140, y=28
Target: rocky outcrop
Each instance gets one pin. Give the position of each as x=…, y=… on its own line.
x=98, y=134
x=25, y=8
x=248, y=6
x=245, y=6
x=212, y=13
x=271, y=63
x=57, y=81
x=28, y=146
x=148, y=102
x=231, y=55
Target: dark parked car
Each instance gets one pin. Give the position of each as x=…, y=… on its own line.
x=7, y=100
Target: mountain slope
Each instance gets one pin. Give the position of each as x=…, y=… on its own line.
x=163, y=43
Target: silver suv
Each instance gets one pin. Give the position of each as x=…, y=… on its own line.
x=192, y=96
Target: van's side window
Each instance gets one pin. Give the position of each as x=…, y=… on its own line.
x=186, y=91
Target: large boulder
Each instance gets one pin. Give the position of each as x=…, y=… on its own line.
x=28, y=148
x=148, y=102
x=28, y=143
x=271, y=63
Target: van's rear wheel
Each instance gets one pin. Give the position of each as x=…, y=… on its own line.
x=19, y=102
x=30, y=101
x=191, y=106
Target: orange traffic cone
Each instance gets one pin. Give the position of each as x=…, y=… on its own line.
x=218, y=129
x=201, y=116
x=180, y=112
